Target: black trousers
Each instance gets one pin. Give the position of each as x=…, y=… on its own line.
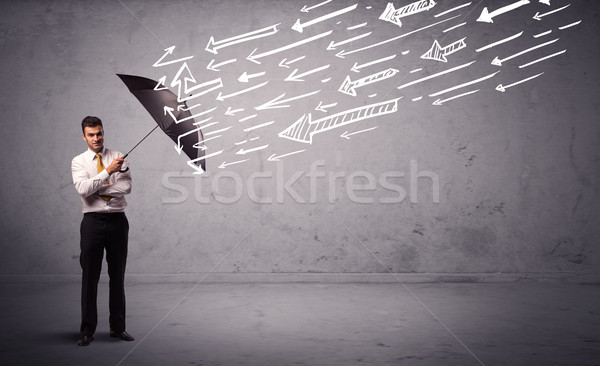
x=99, y=232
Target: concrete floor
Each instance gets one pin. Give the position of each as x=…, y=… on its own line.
x=310, y=324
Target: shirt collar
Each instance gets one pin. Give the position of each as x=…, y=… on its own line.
x=92, y=155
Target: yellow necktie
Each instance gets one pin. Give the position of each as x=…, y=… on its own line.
x=100, y=168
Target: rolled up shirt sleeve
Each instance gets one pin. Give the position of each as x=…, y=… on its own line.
x=84, y=184
x=120, y=187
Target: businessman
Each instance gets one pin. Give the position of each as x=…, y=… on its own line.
x=102, y=180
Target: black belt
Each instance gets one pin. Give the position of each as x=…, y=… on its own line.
x=101, y=214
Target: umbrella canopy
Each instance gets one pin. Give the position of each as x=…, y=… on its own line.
x=163, y=106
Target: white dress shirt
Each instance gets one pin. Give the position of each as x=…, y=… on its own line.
x=90, y=184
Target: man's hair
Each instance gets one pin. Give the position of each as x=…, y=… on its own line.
x=90, y=121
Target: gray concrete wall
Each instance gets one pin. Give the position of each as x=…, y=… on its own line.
x=517, y=170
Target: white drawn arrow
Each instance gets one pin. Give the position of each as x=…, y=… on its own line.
x=184, y=107
x=435, y=75
x=539, y=16
x=169, y=51
x=222, y=97
x=286, y=63
x=275, y=157
x=333, y=44
x=343, y=53
x=198, y=169
x=349, y=87
x=254, y=58
x=213, y=45
x=205, y=87
x=170, y=110
x=258, y=126
x=306, y=9
x=243, y=151
x=499, y=42
x=212, y=66
x=278, y=102
x=161, y=84
x=347, y=135
x=439, y=53
x=200, y=144
x=487, y=17
x=179, y=146
x=245, y=77
x=546, y=2
x=542, y=59
x=299, y=27
x=498, y=62
x=232, y=112
x=294, y=77
x=502, y=88
x=442, y=101
x=464, y=84
x=305, y=128
x=323, y=107
x=392, y=15
x=224, y=164
x=357, y=67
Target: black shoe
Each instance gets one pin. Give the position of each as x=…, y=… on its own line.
x=85, y=340
x=122, y=335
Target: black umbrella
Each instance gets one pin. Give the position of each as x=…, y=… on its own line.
x=163, y=106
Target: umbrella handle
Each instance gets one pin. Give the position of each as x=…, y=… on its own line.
x=126, y=169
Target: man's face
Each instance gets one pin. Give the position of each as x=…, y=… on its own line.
x=94, y=136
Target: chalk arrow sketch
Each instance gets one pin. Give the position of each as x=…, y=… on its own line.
x=200, y=145
x=539, y=16
x=222, y=97
x=392, y=15
x=488, y=17
x=213, y=46
x=439, y=53
x=442, y=101
x=212, y=66
x=245, y=77
x=243, y=151
x=276, y=157
x=323, y=107
x=161, y=84
x=279, y=103
x=258, y=126
x=231, y=112
x=200, y=89
x=306, y=9
x=254, y=58
x=299, y=27
x=498, y=61
x=333, y=45
x=494, y=44
x=349, y=86
x=347, y=135
x=436, y=75
x=502, y=88
x=169, y=110
x=542, y=59
x=286, y=63
x=294, y=77
x=179, y=146
x=357, y=67
x=305, y=128
x=464, y=84
x=344, y=53
x=224, y=164
x=198, y=170
x=169, y=51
